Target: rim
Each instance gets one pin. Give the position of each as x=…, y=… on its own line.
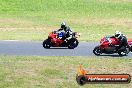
x=46, y=45
x=73, y=44
x=124, y=52
x=97, y=51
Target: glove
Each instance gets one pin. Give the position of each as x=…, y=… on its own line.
x=66, y=40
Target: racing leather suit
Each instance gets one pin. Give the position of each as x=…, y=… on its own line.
x=122, y=42
x=68, y=32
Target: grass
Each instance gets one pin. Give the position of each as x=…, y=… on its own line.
x=58, y=72
x=34, y=19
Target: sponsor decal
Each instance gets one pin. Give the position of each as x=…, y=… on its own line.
x=83, y=78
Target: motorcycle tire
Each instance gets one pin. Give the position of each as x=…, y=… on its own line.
x=46, y=43
x=73, y=43
x=123, y=53
x=97, y=51
x=131, y=48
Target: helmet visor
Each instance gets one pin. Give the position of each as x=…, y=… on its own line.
x=62, y=26
x=117, y=35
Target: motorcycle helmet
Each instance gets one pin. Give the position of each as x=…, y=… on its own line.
x=118, y=34
x=63, y=25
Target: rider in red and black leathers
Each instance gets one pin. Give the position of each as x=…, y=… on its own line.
x=122, y=39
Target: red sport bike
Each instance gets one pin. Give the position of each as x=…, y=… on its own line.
x=110, y=45
x=53, y=40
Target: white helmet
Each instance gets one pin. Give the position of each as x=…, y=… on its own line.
x=118, y=34
x=63, y=25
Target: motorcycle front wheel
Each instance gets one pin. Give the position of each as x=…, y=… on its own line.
x=46, y=43
x=97, y=51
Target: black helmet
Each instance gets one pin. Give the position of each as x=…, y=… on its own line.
x=63, y=25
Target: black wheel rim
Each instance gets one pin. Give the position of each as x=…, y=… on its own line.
x=73, y=44
x=97, y=51
x=46, y=45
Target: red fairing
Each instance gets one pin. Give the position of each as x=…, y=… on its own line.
x=104, y=42
x=114, y=41
x=54, y=39
x=51, y=35
x=130, y=41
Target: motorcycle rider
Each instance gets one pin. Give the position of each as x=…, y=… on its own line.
x=122, y=40
x=67, y=31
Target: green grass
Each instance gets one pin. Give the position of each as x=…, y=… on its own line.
x=58, y=72
x=33, y=19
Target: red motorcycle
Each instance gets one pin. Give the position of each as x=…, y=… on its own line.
x=54, y=40
x=110, y=45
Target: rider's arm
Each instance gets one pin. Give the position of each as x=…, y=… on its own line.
x=60, y=29
x=112, y=36
x=69, y=29
x=70, y=34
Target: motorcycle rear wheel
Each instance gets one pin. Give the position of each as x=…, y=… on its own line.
x=73, y=43
x=124, y=53
x=131, y=48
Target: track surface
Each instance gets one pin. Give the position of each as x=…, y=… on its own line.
x=35, y=49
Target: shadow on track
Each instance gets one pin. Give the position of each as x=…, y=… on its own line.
x=113, y=55
x=57, y=48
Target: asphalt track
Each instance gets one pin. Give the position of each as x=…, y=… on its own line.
x=31, y=48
